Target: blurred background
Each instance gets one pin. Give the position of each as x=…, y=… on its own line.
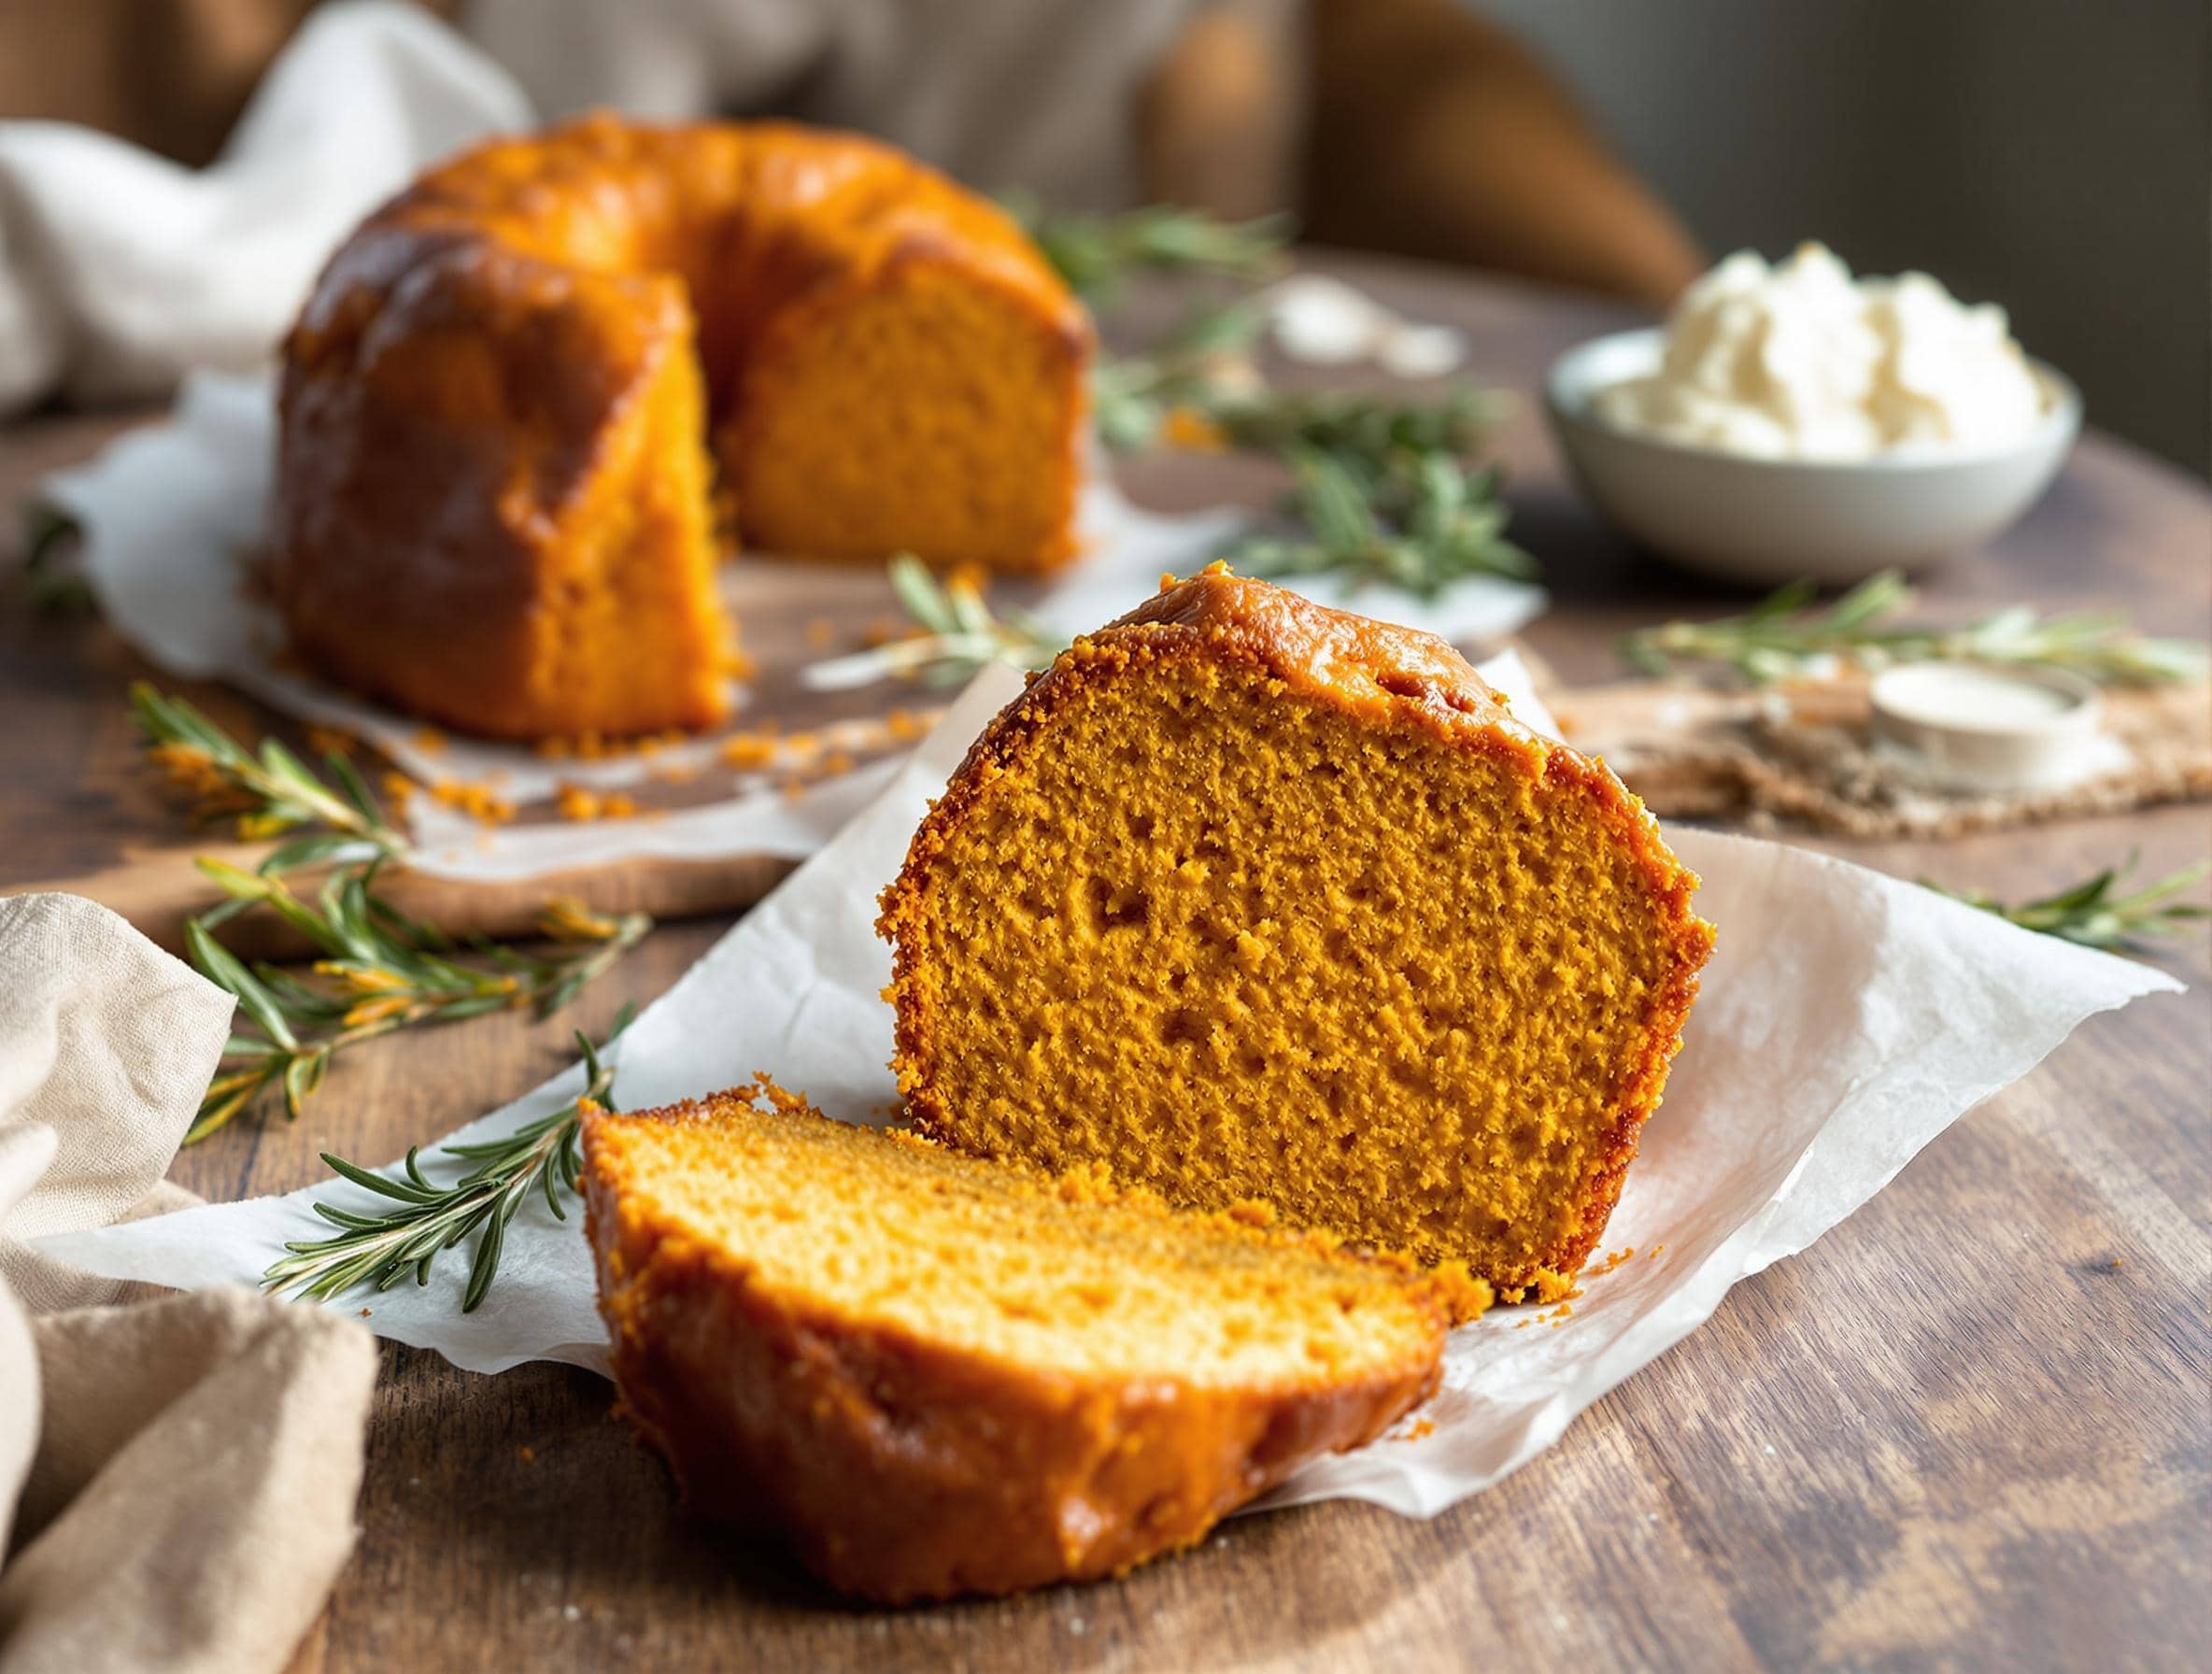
x=2045, y=154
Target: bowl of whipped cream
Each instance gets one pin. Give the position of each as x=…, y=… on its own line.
x=1791, y=421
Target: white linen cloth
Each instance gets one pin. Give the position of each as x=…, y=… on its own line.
x=120, y=271
x=178, y=1476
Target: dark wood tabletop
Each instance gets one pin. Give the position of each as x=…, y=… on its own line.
x=1970, y=1428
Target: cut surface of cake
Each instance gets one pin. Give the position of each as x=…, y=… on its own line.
x=529, y=396
x=933, y=1375
x=1246, y=898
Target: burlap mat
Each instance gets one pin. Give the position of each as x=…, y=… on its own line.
x=176, y=1477
x=1802, y=757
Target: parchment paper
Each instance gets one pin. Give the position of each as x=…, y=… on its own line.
x=1845, y=1020
x=169, y=511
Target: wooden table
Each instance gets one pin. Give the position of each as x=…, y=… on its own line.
x=1968, y=1429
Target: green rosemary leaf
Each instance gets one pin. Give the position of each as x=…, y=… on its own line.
x=306, y=851
x=541, y=1157
x=218, y=964
x=958, y=636
x=1782, y=638
x=1097, y=254
x=406, y=1191
x=2090, y=913
x=920, y=596
x=356, y=788
x=46, y=530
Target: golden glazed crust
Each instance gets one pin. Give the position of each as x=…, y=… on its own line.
x=492, y=503
x=1379, y=676
x=902, y=1466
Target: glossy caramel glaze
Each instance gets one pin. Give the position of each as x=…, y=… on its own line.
x=900, y=1450
x=494, y=504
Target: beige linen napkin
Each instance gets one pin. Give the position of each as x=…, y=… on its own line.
x=177, y=1478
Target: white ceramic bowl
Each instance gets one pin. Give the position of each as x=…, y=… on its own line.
x=1774, y=521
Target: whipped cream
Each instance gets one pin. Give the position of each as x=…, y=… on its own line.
x=1800, y=361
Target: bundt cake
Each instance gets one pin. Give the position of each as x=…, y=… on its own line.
x=936, y=1376
x=1250, y=898
x=524, y=395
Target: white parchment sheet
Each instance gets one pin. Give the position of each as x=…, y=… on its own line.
x=168, y=511
x=1845, y=1020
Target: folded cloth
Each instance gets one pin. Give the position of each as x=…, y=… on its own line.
x=119, y=271
x=177, y=1478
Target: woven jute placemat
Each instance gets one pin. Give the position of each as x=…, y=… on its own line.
x=1803, y=756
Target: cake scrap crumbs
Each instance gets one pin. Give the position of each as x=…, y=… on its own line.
x=579, y=804
x=399, y=790
x=747, y=749
x=429, y=740
x=480, y=803
x=332, y=740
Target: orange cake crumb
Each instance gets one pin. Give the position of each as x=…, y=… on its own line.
x=1250, y=898
x=479, y=801
x=937, y=1376
x=579, y=803
x=747, y=749
x=399, y=790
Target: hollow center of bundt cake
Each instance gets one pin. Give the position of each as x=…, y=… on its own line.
x=1235, y=942
x=1006, y=1263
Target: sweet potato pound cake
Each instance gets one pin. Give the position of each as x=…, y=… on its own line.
x=525, y=391
x=937, y=1376
x=1250, y=898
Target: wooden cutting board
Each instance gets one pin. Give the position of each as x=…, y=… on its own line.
x=789, y=615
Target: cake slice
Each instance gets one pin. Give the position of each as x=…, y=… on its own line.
x=1250, y=898
x=936, y=1376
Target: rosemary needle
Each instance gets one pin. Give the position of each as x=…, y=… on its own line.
x=2094, y=913
x=1782, y=638
x=543, y=1158
x=377, y=970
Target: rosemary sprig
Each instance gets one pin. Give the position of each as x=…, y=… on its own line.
x=1382, y=493
x=2092, y=914
x=1199, y=371
x=269, y=792
x=46, y=527
x=543, y=1158
x=1096, y=254
x=1419, y=521
x=1780, y=638
x=957, y=635
x=379, y=973
x=1200, y=378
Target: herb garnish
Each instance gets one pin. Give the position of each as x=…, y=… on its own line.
x=1780, y=638
x=2094, y=915
x=379, y=971
x=958, y=636
x=545, y=1156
